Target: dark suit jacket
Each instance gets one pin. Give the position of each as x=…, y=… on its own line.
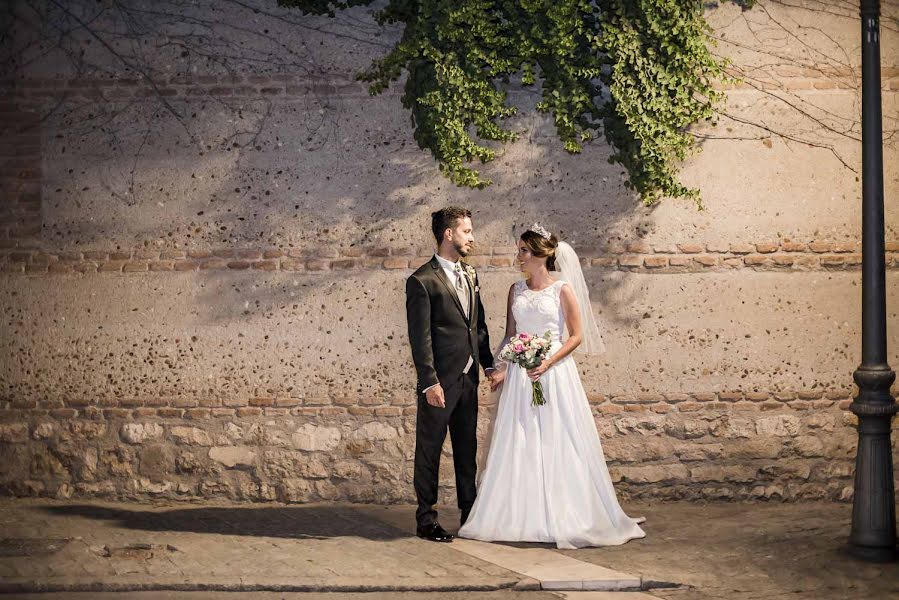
x=442, y=338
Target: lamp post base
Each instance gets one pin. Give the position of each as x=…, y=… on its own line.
x=873, y=554
x=873, y=535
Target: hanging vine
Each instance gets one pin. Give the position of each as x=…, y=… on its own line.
x=639, y=71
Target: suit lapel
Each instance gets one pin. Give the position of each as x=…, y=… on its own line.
x=450, y=289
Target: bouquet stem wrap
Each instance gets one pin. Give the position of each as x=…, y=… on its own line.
x=537, y=399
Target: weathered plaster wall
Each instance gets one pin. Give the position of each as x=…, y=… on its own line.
x=211, y=303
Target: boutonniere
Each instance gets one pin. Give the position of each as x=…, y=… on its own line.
x=469, y=272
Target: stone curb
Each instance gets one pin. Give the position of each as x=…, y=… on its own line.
x=35, y=587
x=608, y=596
x=553, y=571
x=540, y=568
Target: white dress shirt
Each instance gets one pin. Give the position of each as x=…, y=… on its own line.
x=449, y=268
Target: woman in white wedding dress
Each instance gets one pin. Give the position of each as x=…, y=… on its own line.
x=546, y=479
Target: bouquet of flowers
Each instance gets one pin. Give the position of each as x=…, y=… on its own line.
x=527, y=351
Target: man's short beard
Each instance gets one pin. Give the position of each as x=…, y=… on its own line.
x=460, y=250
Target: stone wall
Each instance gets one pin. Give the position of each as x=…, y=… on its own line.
x=711, y=446
x=202, y=267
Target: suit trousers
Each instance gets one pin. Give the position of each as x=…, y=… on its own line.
x=460, y=416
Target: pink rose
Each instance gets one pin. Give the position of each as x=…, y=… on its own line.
x=518, y=347
x=524, y=336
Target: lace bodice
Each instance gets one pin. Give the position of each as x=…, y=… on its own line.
x=540, y=311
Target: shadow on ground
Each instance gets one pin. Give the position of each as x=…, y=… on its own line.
x=299, y=522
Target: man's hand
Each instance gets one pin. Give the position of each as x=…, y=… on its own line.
x=434, y=396
x=496, y=378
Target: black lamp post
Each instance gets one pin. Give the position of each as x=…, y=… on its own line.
x=873, y=535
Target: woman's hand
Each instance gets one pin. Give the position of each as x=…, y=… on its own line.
x=535, y=373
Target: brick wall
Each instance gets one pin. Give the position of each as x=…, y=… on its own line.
x=20, y=175
x=636, y=257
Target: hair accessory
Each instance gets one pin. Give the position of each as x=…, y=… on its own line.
x=538, y=229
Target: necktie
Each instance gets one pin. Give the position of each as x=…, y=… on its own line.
x=462, y=289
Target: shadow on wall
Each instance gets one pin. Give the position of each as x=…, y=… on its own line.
x=323, y=171
x=298, y=522
x=287, y=166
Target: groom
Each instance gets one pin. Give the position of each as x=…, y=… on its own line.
x=449, y=341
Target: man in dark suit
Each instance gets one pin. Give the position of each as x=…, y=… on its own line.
x=448, y=335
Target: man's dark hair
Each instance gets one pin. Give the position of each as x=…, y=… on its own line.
x=447, y=218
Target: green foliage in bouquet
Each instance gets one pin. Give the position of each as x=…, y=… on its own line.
x=640, y=71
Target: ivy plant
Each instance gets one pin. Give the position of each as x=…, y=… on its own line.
x=639, y=71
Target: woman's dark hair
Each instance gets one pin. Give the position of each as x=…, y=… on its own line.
x=540, y=246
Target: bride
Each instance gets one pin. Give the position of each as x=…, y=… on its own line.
x=546, y=478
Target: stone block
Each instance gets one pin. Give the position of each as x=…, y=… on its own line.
x=822, y=420
x=777, y=425
x=316, y=438
x=138, y=433
x=118, y=460
x=839, y=469
x=145, y=486
x=187, y=462
x=347, y=469
x=13, y=432
x=156, y=462
x=690, y=451
x=642, y=424
x=87, y=471
x=313, y=469
x=43, y=431
x=295, y=490
x=809, y=445
x=695, y=428
x=733, y=427
x=233, y=456
x=637, y=449
x=653, y=473
x=14, y=462
x=734, y=473
x=754, y=449
x=46, y=465
x=191, y=436
x=375, y=431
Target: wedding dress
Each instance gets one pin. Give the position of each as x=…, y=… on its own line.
x=546, y=479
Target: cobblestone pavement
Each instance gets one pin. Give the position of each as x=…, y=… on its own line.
x=714, y=551
x=749, y=551
x=163, y=595
x=54, y=545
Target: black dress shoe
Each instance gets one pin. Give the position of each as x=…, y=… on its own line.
x=434, y=532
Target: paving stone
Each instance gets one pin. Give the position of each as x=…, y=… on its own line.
x=117, y=546
x=693, y=551
x=607, y=596
x=552, y=570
